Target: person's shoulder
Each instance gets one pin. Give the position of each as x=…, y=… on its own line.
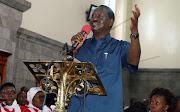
x=29, y=109
x=23, y=108
x=118, y=41
x=52, y=107
x=123, y=43
x=26, y=110
x=0, y=104
x=47, y=109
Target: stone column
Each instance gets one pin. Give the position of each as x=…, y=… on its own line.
x=10, y=20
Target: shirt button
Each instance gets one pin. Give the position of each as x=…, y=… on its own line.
x=94, y=57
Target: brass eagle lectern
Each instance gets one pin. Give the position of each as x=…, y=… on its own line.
x=66, y=78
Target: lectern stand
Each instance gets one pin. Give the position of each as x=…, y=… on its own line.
x=65, y=79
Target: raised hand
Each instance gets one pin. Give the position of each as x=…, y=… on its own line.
x=134, y=20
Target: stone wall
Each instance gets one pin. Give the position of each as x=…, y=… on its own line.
x=23, y=44
x=10, y=19
x=32, y=47
x=125, y=78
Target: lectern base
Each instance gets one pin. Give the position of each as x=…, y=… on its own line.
x=60, y=110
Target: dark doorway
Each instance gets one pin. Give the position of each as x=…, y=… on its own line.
x=3, y=65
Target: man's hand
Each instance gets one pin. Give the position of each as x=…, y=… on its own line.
x=80, y=39
x=134, y=20
x=135, y=48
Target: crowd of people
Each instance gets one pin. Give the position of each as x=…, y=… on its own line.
x=27, y=100
x=31, y=100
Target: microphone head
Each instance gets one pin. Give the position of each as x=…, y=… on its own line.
x=86, y=28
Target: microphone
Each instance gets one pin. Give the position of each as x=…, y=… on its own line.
x=85, y=30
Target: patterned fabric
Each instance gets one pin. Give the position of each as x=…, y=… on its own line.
x=13, y=108
x=32, y=108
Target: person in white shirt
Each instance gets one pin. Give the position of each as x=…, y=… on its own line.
x=8, y=92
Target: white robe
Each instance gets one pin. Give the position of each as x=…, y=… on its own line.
x=32, y=107
x=14, y=106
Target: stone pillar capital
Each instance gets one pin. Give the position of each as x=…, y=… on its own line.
x=21, y=5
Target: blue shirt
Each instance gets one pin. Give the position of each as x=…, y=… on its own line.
x=109, y=56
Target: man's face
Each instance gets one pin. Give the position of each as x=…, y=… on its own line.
x=100, y=21
x=9, y=94
x=38, y=100
x=22, y=98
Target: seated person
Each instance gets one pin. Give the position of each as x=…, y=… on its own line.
x=25, y=89
x=50, y=100
x=162, y=100
x=36, y=98
x=137, y=107
x=8, y=91
x=146, y=103
x=132, y=101
x=22, y=98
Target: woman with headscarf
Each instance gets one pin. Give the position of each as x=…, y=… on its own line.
x=36, y=98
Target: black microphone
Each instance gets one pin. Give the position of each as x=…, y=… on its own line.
x=85, y=30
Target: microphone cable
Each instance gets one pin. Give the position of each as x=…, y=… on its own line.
x=46, y=83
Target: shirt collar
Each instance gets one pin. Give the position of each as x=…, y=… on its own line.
x=105, y=39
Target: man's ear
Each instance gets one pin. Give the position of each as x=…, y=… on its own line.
x=111, y=22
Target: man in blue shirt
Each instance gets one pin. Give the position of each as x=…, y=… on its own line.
x=109, y=56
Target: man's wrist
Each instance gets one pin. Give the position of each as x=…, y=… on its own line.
x=134, y=36
x=74, y=53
